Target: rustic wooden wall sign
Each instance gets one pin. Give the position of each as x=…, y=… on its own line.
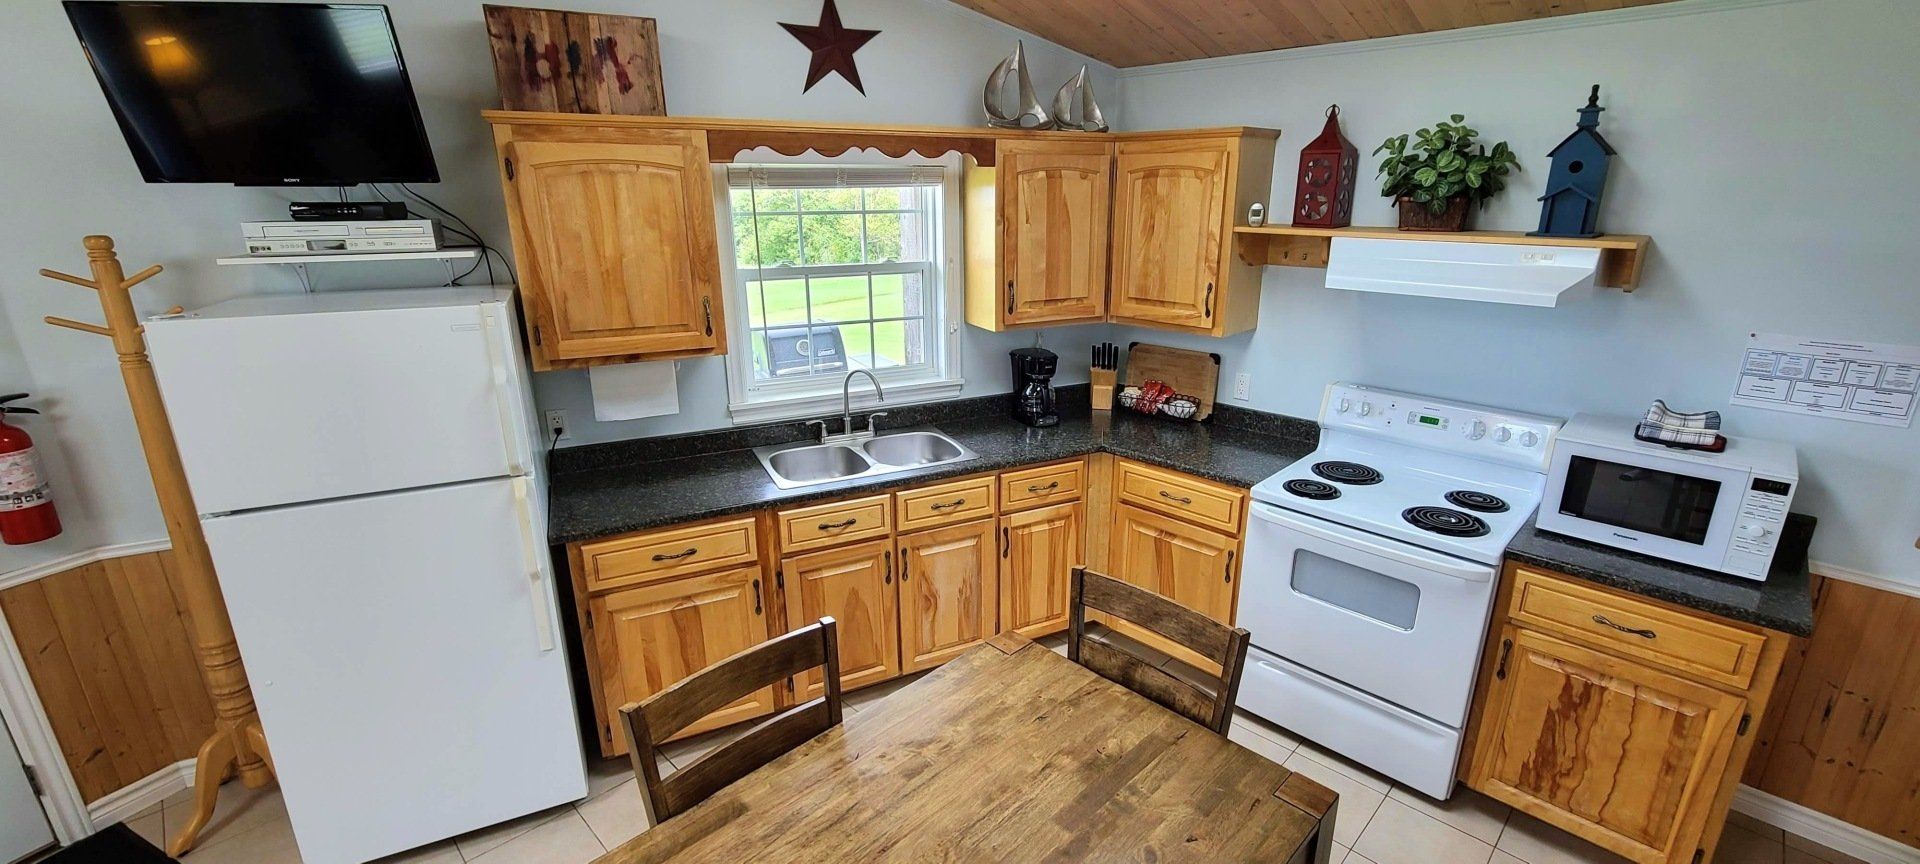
x=577, y=62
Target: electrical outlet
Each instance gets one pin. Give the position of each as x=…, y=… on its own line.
x=1241, y=384
x=557, y=425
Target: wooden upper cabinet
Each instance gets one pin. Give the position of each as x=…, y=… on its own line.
x=1038, y=551
x=1175, y=203
x=653, y=635
x=615, y=234
x=949, y=592
x=1037, y=234
x=1624, y=755
x=854, y=584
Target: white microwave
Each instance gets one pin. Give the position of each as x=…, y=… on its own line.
x=1721, y=511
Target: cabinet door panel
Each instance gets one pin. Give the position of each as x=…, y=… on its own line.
x=949, y=589
x=1625, y=755
x=654, y=635
x=1168, y=232
x=1039, y=549
x=620, y=246
x=854, y=584
x=1193, y=566
x=1055, y=201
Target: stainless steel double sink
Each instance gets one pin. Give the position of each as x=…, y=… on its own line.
x=793, y=466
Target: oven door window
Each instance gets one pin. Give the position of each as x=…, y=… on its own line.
x=1356, y=589
x=1659, y=503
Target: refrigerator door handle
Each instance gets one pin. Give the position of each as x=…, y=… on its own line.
x=509, y=431
x=536, y=574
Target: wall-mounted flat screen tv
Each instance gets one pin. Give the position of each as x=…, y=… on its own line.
x=257, y=94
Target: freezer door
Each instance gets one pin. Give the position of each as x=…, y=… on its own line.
x=402, y=650
x=283, y=409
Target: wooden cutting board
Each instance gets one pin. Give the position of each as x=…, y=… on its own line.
x=1190, y=373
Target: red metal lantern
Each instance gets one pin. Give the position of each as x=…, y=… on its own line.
x=1329, y=165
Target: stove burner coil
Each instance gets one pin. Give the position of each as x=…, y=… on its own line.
x=1311, y=489
x=1347, y=472
x=1445, y=521
x=1467, y=499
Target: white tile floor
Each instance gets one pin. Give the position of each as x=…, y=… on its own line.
x=1378, y=822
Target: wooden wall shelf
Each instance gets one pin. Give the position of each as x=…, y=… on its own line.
x=1621, y=255
x=728, y=137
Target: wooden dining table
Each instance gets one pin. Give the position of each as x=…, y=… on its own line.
x=1008, y=753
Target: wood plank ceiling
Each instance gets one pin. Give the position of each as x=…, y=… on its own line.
x=1142, y=32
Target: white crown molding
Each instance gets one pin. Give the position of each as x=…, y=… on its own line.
x=80, y=559
x=1461, y=34
x=138, y=797
x=1882, y=583
x=1823, y=829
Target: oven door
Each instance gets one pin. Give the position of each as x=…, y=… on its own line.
x=1669, y=508
x=1400, y=622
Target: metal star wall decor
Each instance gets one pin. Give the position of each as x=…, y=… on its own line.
x=832, y=46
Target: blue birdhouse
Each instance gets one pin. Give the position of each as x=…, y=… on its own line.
x=1571, y=207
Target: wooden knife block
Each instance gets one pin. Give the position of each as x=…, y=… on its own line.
x=1102, y=380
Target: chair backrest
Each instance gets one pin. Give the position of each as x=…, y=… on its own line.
x=1199, y=696
x=667, y=712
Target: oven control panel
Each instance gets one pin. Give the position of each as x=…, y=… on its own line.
x=1472, y=430
x=1756, y=530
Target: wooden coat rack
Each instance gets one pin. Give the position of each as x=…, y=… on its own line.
x=237, y=742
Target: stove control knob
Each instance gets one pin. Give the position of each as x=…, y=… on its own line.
x=1366, y=408
x=1502, y=434
x=1528, y=439
x=1476, y=430
x=1346, y=405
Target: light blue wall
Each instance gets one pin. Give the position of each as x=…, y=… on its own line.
x=1762, y=146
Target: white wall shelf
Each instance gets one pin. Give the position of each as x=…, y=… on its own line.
x=299, y=262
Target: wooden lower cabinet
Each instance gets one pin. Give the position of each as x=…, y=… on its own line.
x=1627, y=756
x=1195, y=567
x=949, y=593
x=1038, y=551
x=651, y=636
x=854, y=584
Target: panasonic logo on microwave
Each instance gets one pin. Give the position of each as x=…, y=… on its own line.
x=1624, y=537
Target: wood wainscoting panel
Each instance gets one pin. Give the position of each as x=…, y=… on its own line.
x=109, y=649
x=1843, y=735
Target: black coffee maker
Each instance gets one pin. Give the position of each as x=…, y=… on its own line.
x=1033, y=370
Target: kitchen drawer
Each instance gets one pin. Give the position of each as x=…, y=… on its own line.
x=1705, y=649
x=634, y=559
x=945, y=504
x=1177, y=495
x=824, y=525
x=1037, y=487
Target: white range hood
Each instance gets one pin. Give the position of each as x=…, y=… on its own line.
x=1524, y=274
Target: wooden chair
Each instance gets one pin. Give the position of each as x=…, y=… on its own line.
x=1204, y=698
x=667, y=712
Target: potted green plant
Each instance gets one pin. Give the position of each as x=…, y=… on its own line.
x=1435, y=183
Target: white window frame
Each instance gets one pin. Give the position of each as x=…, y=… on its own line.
x=752, y=401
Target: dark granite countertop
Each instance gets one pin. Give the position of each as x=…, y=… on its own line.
x=1784, y=602
x=596, y=496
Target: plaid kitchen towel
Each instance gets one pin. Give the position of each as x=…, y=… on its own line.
x=1660, y=415
x=1704, y=439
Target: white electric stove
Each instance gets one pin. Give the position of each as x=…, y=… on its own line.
x=1371, y=567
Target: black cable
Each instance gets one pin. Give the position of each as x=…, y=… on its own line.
x=469, y=232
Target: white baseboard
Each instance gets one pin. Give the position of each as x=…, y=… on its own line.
x=1861, y=577
x=1823, y=829
x=132, y=800
x=82, y=558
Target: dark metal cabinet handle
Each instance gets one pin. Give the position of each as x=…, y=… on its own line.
x=1229, y=565
x=950, y=504
x=1047, y=488
x=1506, y=650
x=691, y=551
x=706, y=308
x=1644, y=634
x=835, y=526
x=1209, y=299
x=509, y=168
x=756, y=596
x=1009, y=296
x=1006, y=542
x=1175, y=498
x=888, y=578
x=903, y=565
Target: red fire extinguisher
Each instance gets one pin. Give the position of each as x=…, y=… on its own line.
x=26, y=503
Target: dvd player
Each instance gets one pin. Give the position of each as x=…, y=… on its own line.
x=341, y=237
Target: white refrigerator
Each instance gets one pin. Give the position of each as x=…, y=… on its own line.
x=367, y=468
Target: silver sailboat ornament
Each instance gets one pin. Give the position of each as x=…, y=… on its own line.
x=1080, y=89
x=1031, y=115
